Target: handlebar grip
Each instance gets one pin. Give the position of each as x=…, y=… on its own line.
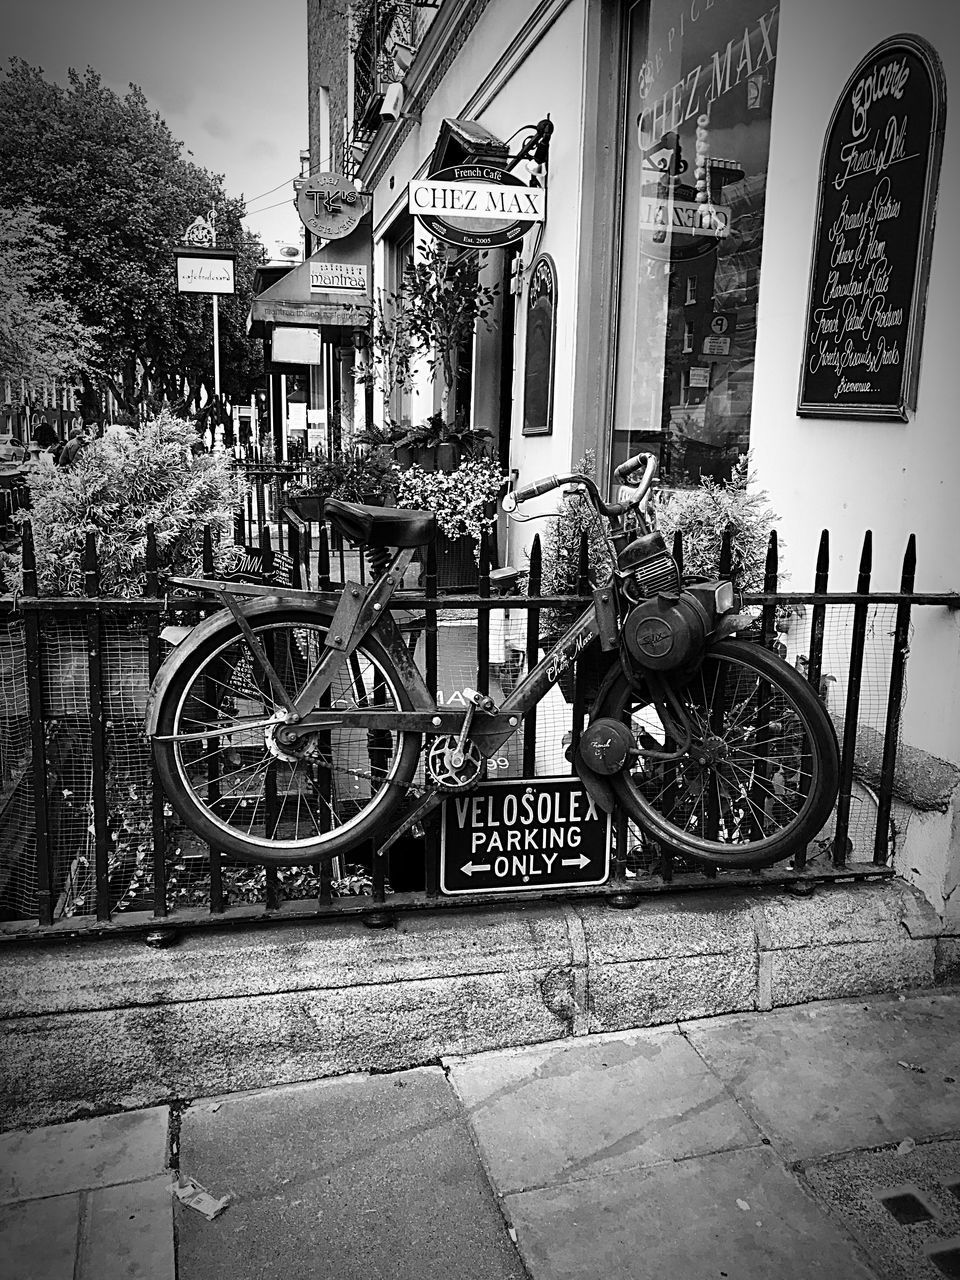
x=645, y=460
x=515, y=496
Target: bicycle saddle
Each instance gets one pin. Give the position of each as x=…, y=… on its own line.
x=381, y=526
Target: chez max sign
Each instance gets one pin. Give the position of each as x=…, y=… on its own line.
x=477, y=206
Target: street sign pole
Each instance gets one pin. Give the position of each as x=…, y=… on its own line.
x=216, y=351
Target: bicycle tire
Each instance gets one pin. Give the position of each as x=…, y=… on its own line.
x=760, y=780
x=352, y=779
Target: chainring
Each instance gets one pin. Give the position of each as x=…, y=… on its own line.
x=449, y=772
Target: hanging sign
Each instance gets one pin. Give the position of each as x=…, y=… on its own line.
x=477, y=206
x=518, y=835
x=329, y=205
x=540, y=349
x=874, y=232
x=205, y=270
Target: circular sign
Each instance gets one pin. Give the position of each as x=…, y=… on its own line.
x=330, y=206
x=503, y=227
x=719, y=324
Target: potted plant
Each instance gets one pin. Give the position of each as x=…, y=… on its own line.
x=356, y=475
x=432, y=316
x=435, y=446
x=462, y=501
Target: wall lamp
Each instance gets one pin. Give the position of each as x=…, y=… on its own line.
x=536, y=148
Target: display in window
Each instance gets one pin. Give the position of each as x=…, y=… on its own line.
x=696, y=139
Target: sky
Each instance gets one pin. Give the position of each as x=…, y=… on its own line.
x=229, y=77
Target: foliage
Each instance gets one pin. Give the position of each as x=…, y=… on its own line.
x=704, y=513
x=42, y=338
x=390, y=358
x=560, y=550
x=446, y=299
x=459, y=498
x=436, y=430
x=120, y=484
x=108, y=173
x=351, y=474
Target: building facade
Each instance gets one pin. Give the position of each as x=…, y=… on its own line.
x=665, y=301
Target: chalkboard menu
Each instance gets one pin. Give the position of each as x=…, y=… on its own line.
x=873, y=238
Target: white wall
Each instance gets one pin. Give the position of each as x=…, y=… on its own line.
x=893, y=478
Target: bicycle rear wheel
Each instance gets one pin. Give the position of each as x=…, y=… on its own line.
x=255, y=797
x=760, y=778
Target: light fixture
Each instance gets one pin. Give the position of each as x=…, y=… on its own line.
x=536, y=148
x=403, y=55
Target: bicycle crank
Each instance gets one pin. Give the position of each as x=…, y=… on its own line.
x=452, y=764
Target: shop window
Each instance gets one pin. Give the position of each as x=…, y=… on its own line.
x=696, y=144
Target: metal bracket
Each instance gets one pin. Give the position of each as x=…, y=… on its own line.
x=432, y=800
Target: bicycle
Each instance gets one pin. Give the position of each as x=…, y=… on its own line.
x=292, y=727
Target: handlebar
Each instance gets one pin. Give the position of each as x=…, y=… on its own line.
x=622, y=473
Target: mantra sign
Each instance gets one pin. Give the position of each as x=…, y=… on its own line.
x=523, y=834
x=477, y=206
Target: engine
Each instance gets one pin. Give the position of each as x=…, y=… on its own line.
x=671, y=628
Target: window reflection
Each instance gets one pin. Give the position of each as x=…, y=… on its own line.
x=696, y=146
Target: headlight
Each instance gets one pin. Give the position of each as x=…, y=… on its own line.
x=723, y=597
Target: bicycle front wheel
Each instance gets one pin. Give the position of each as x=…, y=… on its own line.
x=761, y=775
x=260, y=797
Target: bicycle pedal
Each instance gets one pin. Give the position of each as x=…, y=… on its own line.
x=482, y=701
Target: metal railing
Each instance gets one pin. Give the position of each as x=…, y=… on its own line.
x=87, y=837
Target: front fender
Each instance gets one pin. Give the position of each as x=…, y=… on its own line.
x=222, y=620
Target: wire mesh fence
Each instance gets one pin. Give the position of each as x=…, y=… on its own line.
x=86, y=831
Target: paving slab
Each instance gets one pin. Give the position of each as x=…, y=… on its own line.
x=359, y=1176
x=792, y=1069
x=38, y=1240
x=901, y=1206
x=83, y=1154
x=735, y=1214
x=127, y=1233
x=574, y=1109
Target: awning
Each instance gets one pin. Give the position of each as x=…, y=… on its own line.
x=332, y=287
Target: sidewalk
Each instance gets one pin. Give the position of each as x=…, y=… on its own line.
x=816, y=1141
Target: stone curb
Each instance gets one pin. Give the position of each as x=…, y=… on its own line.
x=112, y=1024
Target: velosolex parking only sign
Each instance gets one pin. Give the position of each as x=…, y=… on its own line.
x=518, y=835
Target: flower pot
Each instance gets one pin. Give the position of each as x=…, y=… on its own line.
x=456, y=567
x=448, y=456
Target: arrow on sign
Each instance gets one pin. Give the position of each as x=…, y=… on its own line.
x=582, y=861
x=469, y=868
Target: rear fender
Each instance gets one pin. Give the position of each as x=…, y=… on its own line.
x=222, y=620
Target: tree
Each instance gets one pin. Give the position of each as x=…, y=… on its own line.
x=445, y=299
x=42, y=338
x=108, y=173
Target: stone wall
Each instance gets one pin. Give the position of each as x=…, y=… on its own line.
x=112, y=1024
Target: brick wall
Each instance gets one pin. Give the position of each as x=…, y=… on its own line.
x=327, y=58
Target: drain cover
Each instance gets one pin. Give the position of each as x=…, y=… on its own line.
x=904, y=1210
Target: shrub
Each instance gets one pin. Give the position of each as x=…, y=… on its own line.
x=704, y=513
x=119, y=485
